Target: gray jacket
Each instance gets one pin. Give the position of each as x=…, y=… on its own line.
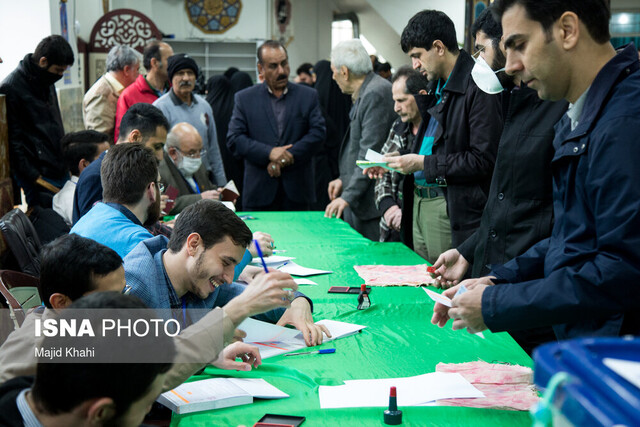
x=371, y=118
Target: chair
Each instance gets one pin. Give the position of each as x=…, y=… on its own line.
x=22, y=240
x=20, y=293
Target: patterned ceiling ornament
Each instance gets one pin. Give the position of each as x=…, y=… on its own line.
x=213, y=16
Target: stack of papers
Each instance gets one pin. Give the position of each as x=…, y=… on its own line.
x=272, y=261
x=298, y=270
x=273, y=340
x=394, y=275
x=217, y=393
x=412, y=391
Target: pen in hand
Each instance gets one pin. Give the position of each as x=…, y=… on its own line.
x=264, y=265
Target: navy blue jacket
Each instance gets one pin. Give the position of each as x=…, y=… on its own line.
x=585, y=279
x=253, y=133
x=88, y=189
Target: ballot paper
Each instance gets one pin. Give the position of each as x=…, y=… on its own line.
x=217, y=393
x=373, y=158
x=273, y=340
x=444, y=301
x=272, y=261
x=627, y=369
x=412, y=391
x=298, y=270
x=301, y=282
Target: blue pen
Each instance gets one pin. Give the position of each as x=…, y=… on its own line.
x=323, y=351
x=255, y=242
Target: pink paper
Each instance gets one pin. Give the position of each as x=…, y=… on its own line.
x=394, y=275
x=504, y=386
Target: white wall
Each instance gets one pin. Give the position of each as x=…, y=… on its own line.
x=22, y=25
x=311, y=20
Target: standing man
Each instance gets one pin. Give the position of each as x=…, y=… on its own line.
x=147, y=88
x=276, y=127
x=99, y=103
x=182, y=168
x=583, y=280
x=455, y=151
x=406, y=83
x=352, y=194
x=182, y=105
x=35, y=123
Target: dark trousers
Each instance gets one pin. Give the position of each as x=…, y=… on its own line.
x=280, y=203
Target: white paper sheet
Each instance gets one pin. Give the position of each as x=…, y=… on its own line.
x=438, y=297
x=627, y=369
x=305, y=282
x=271, y=260
x=257, y=387
x=298, y=270
x=412, y=391
x=373, y=158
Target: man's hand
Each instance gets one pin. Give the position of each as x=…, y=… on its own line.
x=375, y=172
x=441, y=313
x=264, y=293
x=409, y=163
x=450, y=269
x=211, y=194
x=249, y=354
x=163, y=204
x=335, y=189
x=466, y=310
x=249, y=273
x=281, y=156
x=393, y=217
x=273, y=169
x=266, y=244
x=335, y=208
x=299, y=316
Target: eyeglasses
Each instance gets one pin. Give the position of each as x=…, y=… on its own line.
x=477, y=53
x=193, y=154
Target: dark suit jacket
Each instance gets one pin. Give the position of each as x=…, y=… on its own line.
x=186, y=196
x=253, y=133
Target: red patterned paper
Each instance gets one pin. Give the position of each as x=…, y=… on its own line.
x=394, y=275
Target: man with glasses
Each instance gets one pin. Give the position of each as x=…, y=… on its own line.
x=131, y=199
x=180, y=104
x=182, y=167
x=143, y=124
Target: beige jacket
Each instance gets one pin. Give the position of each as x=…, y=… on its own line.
x=99, y=104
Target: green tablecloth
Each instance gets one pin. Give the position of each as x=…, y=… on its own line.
x=399, y=340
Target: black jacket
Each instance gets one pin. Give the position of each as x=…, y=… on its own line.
x=9, y=391
x=35, y=125
x=519, y=210
x=464, y=149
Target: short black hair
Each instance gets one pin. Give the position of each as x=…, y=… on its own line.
x=56, y=49
x=61, y=387
x=383, y=66
x=486, y=23
x=595, y=14
x=127, y=169
x=415, y=80
x=306, y=68
x=273, y=44
x=427, y=26
x=81, y=145
x=69, y=264
x=151, y=50
x=213, y=221
x=145, y=118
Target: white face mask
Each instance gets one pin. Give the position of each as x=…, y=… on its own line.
x=189, y=166
x=485, y=77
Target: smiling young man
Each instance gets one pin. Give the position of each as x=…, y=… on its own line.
x=583, y=279
x=182, y=105
x=193, y=272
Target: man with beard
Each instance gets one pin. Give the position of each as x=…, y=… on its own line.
x=34, y=120
x=131, y=199
x=276, y=127
x=142, y=124
x=182, y=105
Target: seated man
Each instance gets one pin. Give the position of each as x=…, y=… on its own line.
x=182, y=167
x=143, y=124
x=73, y=266
x=131, y=196
x=79, y=149
x=83, y=393
x=189, y=271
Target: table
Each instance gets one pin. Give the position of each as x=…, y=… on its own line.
x=399, y=340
